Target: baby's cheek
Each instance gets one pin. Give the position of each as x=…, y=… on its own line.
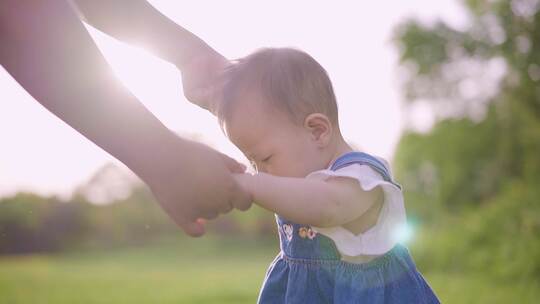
x=273, y=169
x=291, y=170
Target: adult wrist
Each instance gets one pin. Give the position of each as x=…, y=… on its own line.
x=160, y=155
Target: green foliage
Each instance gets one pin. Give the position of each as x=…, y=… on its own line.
x=474, y=182
x=454, y=166
x=30, y=223
x=441, y=59
x=499, y=238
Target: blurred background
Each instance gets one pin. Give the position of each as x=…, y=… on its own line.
x=447, y=91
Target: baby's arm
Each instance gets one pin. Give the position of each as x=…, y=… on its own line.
x=334, y=202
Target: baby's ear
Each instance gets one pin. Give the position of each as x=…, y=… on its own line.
x=320, y=128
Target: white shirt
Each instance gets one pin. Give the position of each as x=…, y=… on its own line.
x=380, y=238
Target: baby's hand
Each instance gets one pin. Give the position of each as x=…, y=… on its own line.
x=246, y=182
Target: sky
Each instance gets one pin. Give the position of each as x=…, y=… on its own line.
x=351, y=39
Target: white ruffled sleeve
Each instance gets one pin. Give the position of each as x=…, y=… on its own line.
x=380, y=238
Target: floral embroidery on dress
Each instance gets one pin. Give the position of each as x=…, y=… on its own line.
x=311, y=234
x=307, y=232
x=303, y=232
x=288, y=231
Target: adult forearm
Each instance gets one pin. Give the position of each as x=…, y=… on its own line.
x=111, y=117
x=45, y=47
x=138, y=22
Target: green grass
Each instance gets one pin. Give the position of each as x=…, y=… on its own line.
x=190, y=271
x=478, y=288
x=196, y=271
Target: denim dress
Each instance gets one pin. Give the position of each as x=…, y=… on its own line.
x=309, y=268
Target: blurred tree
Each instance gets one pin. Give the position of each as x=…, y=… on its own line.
x=32, y=223
x=111, y=210
x=483, y=86
x=481, y=159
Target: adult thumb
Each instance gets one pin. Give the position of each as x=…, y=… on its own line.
x=233, y=165
x=241, y=200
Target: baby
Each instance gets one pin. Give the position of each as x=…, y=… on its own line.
x=337, y=210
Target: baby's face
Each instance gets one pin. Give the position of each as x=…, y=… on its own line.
x=272, y=141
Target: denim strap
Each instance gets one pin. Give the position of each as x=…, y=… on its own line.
x=363, y=159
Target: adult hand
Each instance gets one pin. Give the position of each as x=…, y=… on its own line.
x=45, y=47
x=201, y=78
x=136, y=21
x=193, y=182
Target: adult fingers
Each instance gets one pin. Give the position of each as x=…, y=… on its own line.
x=211, y=215
x=226, y=207
x=239, y=168
x=194, y=228
x=233, y=165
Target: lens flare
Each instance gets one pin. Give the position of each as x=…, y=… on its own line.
x=404, y=233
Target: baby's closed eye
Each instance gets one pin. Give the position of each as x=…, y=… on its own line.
x=266, y=159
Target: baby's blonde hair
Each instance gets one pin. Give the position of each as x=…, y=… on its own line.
x=286, y=78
